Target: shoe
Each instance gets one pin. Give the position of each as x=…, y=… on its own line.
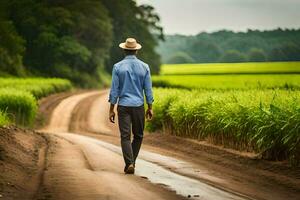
x=125, y=168
x=129, y=169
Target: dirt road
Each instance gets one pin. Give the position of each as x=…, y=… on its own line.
x=84, y=161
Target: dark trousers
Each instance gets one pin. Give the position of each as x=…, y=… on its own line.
x=131, y=118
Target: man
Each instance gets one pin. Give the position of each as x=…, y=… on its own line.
x=131, y=79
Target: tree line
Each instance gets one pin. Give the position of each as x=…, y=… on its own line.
x=70, y=39
x=228, y=46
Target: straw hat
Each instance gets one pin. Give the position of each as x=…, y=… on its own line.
x=130, y=44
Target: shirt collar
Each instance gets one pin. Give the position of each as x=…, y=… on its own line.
x=130, y=57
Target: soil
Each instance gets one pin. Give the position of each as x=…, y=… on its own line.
x=22, y=159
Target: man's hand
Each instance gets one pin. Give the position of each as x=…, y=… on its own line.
x=149, y=114
x=112, y=113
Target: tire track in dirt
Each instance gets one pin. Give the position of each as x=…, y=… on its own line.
x=47, y=105
x=61, y=115
x=87, y=163
x=88, y=115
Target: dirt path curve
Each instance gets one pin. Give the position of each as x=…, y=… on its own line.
x=81, y=167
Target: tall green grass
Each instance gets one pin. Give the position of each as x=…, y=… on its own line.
x=264, y=121
x=20, y=106
x=18, y=97
x=3, y=119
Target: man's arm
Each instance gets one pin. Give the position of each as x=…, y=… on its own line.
x=148, y=94
x=113, y=95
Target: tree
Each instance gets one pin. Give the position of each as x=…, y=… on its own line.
x=257, y=55
x=75, y=35
x=286, y=52
x=204, y=51
x=11, y=50
x=233, y=56
x=281, y=45
x=140, y=22
x=179, y=58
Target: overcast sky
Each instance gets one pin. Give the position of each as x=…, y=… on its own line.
x=194, y=16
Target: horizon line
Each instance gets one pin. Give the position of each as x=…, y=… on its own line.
x=237, y=31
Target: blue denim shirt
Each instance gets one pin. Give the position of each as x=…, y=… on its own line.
x=131, y=78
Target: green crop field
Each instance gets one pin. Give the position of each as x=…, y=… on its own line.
x=18, y=97
x=286, y=75
x=255, y=111
x=232, y=68
x=229, y=82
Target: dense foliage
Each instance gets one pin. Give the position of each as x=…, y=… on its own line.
x=73, y=39
x=228, y=46
x=18, y=97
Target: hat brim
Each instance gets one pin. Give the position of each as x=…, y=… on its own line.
x=123, y=46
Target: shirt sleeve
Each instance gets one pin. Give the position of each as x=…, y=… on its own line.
x=148, y=87
x=114, y=90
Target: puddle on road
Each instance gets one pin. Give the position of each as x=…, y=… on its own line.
x=187, y=187
x=179, y=166
x=182, y=185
